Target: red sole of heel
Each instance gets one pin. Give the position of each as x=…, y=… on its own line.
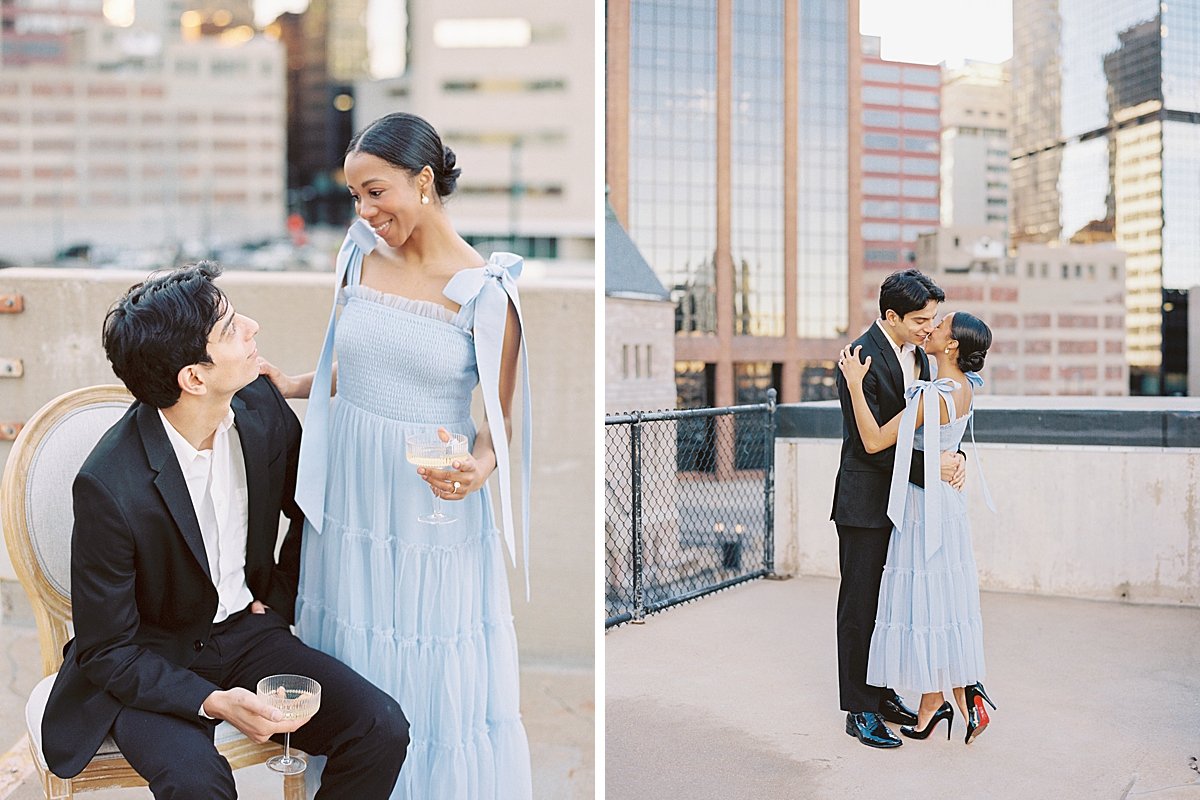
x=981, y=712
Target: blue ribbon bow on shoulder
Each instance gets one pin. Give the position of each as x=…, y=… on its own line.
x=927, y=393
x=484, y=294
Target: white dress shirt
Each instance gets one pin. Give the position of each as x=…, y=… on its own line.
x=905, y=354
x=216, y=481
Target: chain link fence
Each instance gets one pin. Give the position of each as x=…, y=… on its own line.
x=688, y=503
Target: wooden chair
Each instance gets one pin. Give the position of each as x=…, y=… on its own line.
x=35, y=500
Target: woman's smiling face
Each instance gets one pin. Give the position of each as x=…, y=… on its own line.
x=386, y=196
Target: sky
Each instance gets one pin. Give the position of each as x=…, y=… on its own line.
x=933, y=31
x=922, y=31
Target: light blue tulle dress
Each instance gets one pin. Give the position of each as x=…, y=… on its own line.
x=928, y=633
x=420, y=610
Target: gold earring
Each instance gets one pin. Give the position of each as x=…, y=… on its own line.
x=424, y=200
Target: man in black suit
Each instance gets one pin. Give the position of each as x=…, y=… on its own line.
x=908, y=303
x=180, y=606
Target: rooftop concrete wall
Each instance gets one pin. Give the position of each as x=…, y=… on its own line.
x=57, y=337
x=1109, y=522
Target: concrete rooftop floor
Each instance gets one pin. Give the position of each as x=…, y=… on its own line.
x=735, y=696
x=558, y=706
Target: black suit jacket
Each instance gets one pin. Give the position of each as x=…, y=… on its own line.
x=141, y=595
x=860, y=493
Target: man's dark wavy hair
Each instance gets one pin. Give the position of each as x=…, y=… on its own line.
x=907, y=291
x=161, y=326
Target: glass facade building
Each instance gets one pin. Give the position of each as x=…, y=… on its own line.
x=1107, y=137
x=823, y=269
x=673, y=151
x=756, y=175
x=729, y=162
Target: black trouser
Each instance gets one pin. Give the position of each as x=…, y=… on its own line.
x=359, y=727
x=862, y=555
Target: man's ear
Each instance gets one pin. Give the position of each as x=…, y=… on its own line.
x=192, y=381
x=892, y=318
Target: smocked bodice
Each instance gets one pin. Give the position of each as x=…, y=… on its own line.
x=402, y=363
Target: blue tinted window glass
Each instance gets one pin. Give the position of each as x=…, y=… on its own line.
x=881, y=163
x=881, y=95
x=881, y=141
x=881, y=119
x=923, y=122
x=884, y=73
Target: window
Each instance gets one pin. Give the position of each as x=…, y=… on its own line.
x=920, y=144
x=471, y=33
x=921, y=166
x=914, y=98
x=921, y=211
x=874, y=118
x=881, y=254
x=911, y=232
x=920, y=189
x=888, y=186
x=922, y=77
x=880, y=95
x=923, y=122
x=881, y=164
x=881, y=141
x=881, y=208
x=880, y=231
x=884, y=73
x=228, y=68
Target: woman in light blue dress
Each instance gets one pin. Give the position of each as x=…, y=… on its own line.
x=421, y=610
x=928, y=633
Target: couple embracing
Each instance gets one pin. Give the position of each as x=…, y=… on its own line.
x=908, y=606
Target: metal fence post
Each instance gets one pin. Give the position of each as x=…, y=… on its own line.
x=769, y=489
x=635, y=450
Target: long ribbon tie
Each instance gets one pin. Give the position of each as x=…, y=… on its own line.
x=484, y=294
x=314, y=445
x=930, y=391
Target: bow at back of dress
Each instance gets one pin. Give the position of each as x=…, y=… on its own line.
x=935, y=438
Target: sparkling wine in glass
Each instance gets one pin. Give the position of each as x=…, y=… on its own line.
x=429, y=451
x=297, y=697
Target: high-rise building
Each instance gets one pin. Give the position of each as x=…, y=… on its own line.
x=1106, y=137
x=513, y=96
x=900, y=165
x=976, y=115
x=184, y=152
x=732, y=158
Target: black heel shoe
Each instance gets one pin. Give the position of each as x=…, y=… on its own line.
x=946, y=712
x=977, y=718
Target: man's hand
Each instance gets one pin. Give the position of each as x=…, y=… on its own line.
x=954, y=470
x=243, y=710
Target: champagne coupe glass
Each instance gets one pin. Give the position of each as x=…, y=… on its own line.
x=429, y=451
x=297, y=697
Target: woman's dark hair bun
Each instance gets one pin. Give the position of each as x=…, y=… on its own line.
x=408, y=142
x=973, y=337
x=973, y=362
x=449, y=177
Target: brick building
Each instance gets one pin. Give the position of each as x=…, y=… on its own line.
x=1057, y=313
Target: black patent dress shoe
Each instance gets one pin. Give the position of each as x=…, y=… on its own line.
x=869, y=729
x=893, y=710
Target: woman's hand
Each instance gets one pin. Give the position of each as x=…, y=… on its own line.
x=468, y=475
x=851, y=367
x=287, y=385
